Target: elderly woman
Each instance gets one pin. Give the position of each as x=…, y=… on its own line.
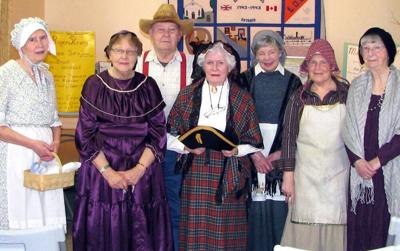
x=372, y=136
x=29, y=129
x=121, y=138
x=270, y=85
x=213, y=201
x=314, y=159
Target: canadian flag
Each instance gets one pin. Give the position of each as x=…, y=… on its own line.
x=271, y=8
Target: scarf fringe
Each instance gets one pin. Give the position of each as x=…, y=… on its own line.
x=362, y=193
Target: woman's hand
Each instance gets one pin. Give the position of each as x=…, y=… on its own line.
x=134, y=175
x=115, y=179
x=196, y=151
x=375, y=163
x=261, y=163
x=288, y=186
x=55, y=146
x=231, y=153
x=42, y=149
x=272, y=157
x=364, y=169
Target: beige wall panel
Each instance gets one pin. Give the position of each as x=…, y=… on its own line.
x=104, y=17
x=347, y=20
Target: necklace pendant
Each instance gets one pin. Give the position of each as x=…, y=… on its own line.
x=214, y=89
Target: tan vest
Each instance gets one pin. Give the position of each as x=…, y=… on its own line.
x=322, y=167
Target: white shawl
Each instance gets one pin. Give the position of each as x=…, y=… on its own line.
x=389, y=125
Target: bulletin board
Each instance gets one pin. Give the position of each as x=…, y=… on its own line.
x=237, y=21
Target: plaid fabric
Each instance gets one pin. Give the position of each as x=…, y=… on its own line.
x=206, y=224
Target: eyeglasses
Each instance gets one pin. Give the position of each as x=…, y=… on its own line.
x=373, y=49
x=322, y=63
x=121, y=52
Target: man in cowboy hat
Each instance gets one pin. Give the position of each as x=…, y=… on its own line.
x=172, y=70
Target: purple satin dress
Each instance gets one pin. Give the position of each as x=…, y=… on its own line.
x=121, y=124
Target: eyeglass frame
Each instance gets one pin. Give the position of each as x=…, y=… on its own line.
x=121, y=52
x=377, y=48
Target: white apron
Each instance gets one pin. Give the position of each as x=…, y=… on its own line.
x=268, y=132
x=322, y=168
x=29, y=208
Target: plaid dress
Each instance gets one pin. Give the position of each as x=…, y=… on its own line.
x=214, y=188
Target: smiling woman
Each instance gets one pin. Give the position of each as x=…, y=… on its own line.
x=314, y=160
x=372, y=135
x=121, y=139
x=271, y=86
x=29, y=129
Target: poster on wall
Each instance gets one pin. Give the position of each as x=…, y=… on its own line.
x=237, y=21
x=74, y=63
x=351, y=63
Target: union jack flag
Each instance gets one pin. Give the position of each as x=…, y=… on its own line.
x=226, y=7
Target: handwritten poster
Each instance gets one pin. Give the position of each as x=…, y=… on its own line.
x=75, y=61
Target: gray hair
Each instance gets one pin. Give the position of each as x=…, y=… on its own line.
x=215, y=48
x=268, y=37
x=373, y=38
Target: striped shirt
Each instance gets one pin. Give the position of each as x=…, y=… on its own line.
x=293, y=113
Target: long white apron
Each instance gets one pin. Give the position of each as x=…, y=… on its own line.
x=29, y=208
x=268, y=132
x=322, y=167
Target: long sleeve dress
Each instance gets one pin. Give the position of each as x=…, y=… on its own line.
x=29, y=109
x=214, y=187
x=271, y=92
x=312, y=147
x=121, y=123
x=371, y=221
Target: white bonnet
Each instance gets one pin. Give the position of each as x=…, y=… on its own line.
x=24, y=29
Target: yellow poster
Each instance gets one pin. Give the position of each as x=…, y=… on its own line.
x=75, y=61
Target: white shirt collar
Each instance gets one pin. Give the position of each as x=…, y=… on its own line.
x=258, y=69
x=152, y=56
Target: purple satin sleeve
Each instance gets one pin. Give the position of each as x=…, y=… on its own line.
x=352, y=157
x=85, y=135
x=390, y=150
x=157, y=136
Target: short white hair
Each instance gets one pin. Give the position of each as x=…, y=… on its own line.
x=215, y=48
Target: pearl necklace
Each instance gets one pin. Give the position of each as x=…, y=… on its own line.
x=379, y=103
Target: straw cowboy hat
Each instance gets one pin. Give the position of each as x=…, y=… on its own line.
x=166, y=13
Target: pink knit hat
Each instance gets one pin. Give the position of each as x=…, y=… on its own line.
x=323, y=48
